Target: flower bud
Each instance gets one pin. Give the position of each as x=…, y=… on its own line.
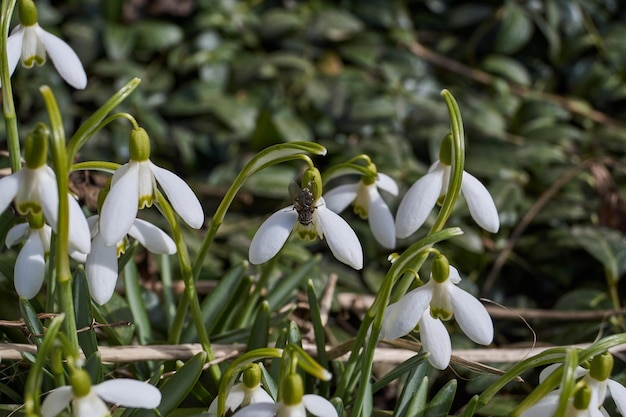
x=27, y=12
x=139, y=146
x=601, y=366
x=292, y=389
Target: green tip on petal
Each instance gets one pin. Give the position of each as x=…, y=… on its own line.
x=445, y=151
x=81, y=383
x=139, y=145
x=27, y=12
x=292, y=389
x=582, y=397
x=312, y=179
x=36, y=147
x=601, y=366
x=35, y=220
x=440, y=269
x=252, y=376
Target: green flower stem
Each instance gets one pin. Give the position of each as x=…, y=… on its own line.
x=273, y=155
x=8, y=106
x=190, y=288
x=59, y=161
x=110, y=167
x=32, y=390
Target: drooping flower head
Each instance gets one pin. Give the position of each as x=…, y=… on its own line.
x=89, y=401
x=134, y=186
x=429, y=190
x=310, y=218
x=368, y=204
x=248, y=391
x=29, y=43
x=439, y=299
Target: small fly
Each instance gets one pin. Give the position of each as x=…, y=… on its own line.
x=303, y=202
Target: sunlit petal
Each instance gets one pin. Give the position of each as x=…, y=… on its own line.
x=56, y=401
x=48, y=194
x=180, y=196
x=481, y=205
x=257, y=410
x=64, y=59
x=435, y=340
x=341, y=239
x=381, y=220
x=319, y=406
x=101, y=270
x=14, y=48
x=90, y=406
x=618, y=393
x=272, y=235
x=233, y=399
x=120, y=205
x=471, y=315
x=129, y=393
x=30, y=267
x=417, y=203
x=386, y=183
x=402, y=317
x=152, y=238
x=8, y=189
x=454, y=276
x=16, y=234
x=341, y=197
x=80, y=235
x=544, y=407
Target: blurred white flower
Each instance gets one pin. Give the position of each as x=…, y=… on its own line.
x=314, y=404
x=420, y=199
x=443, y=300
x=101, y=263
x=125, y=392
x=30, y=44
x=368, y=204
x=274, y=232
x=241, y=396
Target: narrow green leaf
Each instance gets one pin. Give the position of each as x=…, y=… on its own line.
x=260, y=336
x=31, y=320
x=136, y=304
x=441, y=403
x=406, y=366
x=84, y=318
x=320, y=335
x=227, y=315
x=416, y=379
x=470, y=408
x=283, y=290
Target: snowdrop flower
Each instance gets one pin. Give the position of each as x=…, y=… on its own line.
x=89, y=401
x=445, y=299
x=134, y=186
x=294, y=404
x=247, y=392
x=580, y=405
x=101, y=263
x=596, y=379
x=420, y=199
x=311, y=218
x=29, y=43
x=34, y=189
x=368, y=204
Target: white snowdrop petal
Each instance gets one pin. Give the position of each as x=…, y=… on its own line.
x=101, y=270
x=257, y=410
x=339, y=198
x=454, y=276
x=30, y=267
x=180, y=196
x=8, y=189
x=471, y=316
x=152, y=238
x=401, y=318
x=16, y=234
x=120, y=206
x=90, y=406
x=435, y=340
x=80, y=234
x=48, y=194
x=64, y=59
x=56, y=401
x=480, y=204
x=386, y=183
x=14, y=48
x=319, y=406
x=341, y=239
x=129, y=393
x=417, y=203
x=381, y=220
x=618, y=393
x=544, y=407
x=272, y=235
x=261, y=396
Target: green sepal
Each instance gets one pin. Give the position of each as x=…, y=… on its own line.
x=36, y=146
x=139, y=146
x=251, y=377
x=440, y=269
x=582, y=396
x=27, y=12
x=293, y=389
x=601, y=366
x=312, y=179
x=81, y=383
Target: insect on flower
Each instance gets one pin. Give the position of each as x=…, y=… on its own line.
x=303, y=201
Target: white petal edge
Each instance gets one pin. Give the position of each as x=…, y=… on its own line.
x=471, y=316
x=129, y=393
x=381, y=220
x=152, y=238
x=30, y=267
x=480, y=203
x=16, y=234
x=48, y=194
x=272, y=235
x=618, y=393
x=386, y=183
x=417, y=203
x=101, y=270
x=56, y=401
x=435, y=340
x=90, y=406
x=14, y=48
x=120, y=205
x=80, y=234
x=8, y=189
x=64, y=59
x=339, y=198
x=402, y=317
x=341, y=239
x=233, y=400
x=319, y=406
x=180, y=196
x=544, y=407
x=258, y=410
